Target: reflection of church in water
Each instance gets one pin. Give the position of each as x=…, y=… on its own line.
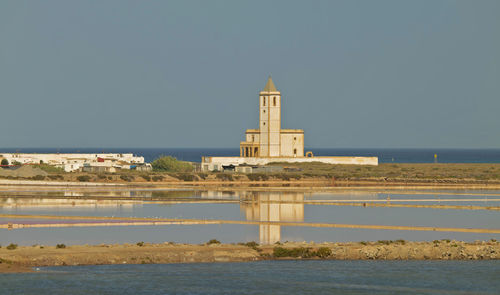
x=275, y=207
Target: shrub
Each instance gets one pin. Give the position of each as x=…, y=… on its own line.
x=257, y=176
x=102, y=176
x=171, y=164
x=384, y=242
x=5, y=162
x=55, y=176
x=252, y=245
x=323, y=252
x=224, y=176
x=38, y=177
x=140, y=244
x=12, y=247
x=363, y=243
x=293, y=252
x=253, y=177
x=213, y=241
x=157, y=178
x=126, y=177
x=184, y=176
x=280, y=252
x=146, y=177
x=83, y=178
x=60, y=246
x=202, y=175
x=402, y=242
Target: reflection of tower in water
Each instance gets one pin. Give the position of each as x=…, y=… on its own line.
x=274, y=207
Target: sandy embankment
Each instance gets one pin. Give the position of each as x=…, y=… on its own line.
x=23, y=259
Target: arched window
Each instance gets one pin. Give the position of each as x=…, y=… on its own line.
x=264, y=101
x=274, y=101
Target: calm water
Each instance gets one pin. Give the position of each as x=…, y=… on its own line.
x=243, y=206
x=384, y=155
x=276, y=277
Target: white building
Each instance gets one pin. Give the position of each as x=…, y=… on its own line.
x=73, y=162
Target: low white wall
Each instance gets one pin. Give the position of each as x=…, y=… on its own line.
x=208, y=163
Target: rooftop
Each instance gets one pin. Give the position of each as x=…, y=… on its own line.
x=270, y=86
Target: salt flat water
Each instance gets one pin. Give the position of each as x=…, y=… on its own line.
x=265, y=277
x=255, y=206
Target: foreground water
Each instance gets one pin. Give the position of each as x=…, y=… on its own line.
x=266, y=277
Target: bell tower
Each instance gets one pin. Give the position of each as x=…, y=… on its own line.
x=270, y=120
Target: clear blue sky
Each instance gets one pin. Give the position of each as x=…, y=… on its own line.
x=187, y=73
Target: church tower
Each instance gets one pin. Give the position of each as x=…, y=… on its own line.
x=270, y=120
x=269, y=140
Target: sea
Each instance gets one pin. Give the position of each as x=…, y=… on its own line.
x=386, y=155
x=263, y=277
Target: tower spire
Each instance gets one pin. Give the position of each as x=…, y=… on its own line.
x=270, y=85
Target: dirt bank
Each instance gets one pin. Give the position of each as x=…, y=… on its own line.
x=306, y=175
x=23, y=259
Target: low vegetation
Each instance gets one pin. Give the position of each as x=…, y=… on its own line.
x=389, y=242
x=146, y=177
x=11, y=247
x=169, y=168
x=49, y=168
x=126, y=177
x=55, y=177
x=396, y=171
x=83, y=178
x=213, y=241
x=185, y=176
x=157, y=178
x=253, y=245
x=301, y=252
x=224, y=176
x=171, y=164
x=60, y=246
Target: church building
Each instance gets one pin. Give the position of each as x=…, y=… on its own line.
x=269, y=140
x=269, y=143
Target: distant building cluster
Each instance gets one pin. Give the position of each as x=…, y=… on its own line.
x=79, y=162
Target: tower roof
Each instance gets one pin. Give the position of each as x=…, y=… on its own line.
x=270, y=86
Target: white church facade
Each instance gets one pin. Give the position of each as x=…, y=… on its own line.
x=269, y=143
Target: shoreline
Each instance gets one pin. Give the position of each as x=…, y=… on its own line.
x=25, y=258
x=294, y=185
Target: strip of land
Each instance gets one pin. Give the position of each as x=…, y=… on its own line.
x=141, y=221
x=312, y=174
x=25, y=258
